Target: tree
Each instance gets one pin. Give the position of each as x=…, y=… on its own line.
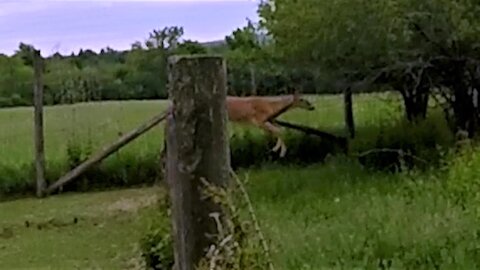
x=407, y=45
x=16, y=80
x=190, y=47
x=25, y=52
x=250, y=60
x=164, y=39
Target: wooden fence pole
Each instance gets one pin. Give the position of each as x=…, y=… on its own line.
x=197, y=149
x=253, y=81
x=349, y=121
x=38, y=123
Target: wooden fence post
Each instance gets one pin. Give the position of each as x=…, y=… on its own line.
x=197, y=149
x=38, y=123
x=253, y=81
x=349, y=121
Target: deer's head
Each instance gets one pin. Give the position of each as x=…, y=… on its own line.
x=302, y=103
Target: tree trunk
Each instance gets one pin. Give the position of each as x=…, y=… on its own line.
x=416, y=103
x=197, y=149
x=465, y=114
x=463, y=102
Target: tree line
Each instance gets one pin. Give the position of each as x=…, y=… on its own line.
x=423, y=49
x=137, y=73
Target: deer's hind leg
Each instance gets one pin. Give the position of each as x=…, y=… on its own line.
x=275, y=131
x=277, y=145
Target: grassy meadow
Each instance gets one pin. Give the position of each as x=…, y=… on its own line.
x=72, y=132
x=100, y=123
x=338, y=214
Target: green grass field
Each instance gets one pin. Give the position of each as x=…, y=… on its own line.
x=336, y=215
x=100, y=123
x=72, y=132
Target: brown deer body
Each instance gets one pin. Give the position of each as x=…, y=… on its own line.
x=260, y=111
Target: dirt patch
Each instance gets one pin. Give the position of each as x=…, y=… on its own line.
x=132, y=205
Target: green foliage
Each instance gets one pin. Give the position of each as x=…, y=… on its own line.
x=156, y=245
x=139, y=73
x=15, y=82
x=336, y=37
x=190, y=47
x=409, y=46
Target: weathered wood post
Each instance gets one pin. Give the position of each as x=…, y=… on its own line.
x=38, y=123
x=349, y=121
x=197, y=148
x=253, y=81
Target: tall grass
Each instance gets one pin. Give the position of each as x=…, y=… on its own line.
x=341, y=216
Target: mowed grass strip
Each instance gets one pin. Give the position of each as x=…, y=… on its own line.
x=75, y=231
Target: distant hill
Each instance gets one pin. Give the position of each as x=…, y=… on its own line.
x=221, y=42
x=214, y=43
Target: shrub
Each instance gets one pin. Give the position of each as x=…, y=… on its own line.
x=156, y=245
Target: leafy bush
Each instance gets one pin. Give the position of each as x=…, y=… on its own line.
x=157, y=245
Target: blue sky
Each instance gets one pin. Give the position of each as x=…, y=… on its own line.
x=68, y=25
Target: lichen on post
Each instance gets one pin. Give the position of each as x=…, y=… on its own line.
x=197, y=148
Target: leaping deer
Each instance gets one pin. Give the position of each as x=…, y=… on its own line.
x=260, y=111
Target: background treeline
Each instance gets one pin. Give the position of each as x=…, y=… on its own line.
x=426, y=50
x=138, y=73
